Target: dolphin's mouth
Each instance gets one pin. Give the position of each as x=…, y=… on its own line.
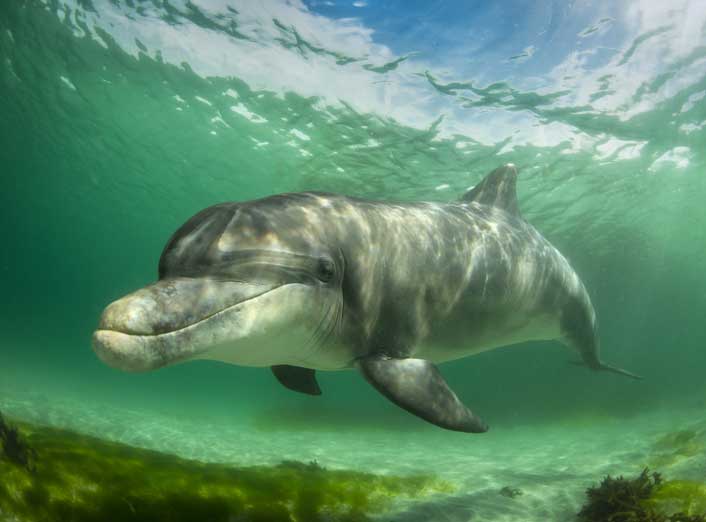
x=172, y=321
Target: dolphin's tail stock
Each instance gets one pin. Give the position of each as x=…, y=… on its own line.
x=580, y=331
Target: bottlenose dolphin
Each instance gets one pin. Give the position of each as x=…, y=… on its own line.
x=316, y=281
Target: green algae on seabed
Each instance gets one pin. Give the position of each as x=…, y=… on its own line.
x=684, y=496
x=646, y=498
x=80, y=479
x=677, y=446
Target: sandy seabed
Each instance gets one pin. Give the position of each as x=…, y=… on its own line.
x=551, y=464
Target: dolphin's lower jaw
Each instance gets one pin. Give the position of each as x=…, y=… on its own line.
x=127, y=352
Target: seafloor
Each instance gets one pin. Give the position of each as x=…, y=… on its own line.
x=550, y=464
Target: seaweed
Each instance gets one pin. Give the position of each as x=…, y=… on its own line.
x=14, y=447
x=620, y=499
x=633, y=500
x=313, y=465
x=86, y=479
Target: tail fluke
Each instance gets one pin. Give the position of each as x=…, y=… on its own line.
x=608, y=368
x=619, y=371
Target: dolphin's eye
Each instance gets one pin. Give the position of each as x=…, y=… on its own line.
x=325, y=270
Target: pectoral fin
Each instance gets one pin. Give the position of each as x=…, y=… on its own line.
x=302, y=380
x=417, y=386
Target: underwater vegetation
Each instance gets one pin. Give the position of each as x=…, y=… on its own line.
x=682, y=496
x=674, y=447
x=77, y=478
x=14, y=448
x=646, y=498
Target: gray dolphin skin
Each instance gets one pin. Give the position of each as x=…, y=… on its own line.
x=314, y=281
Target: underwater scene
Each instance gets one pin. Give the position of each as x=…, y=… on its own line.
x=353, y=260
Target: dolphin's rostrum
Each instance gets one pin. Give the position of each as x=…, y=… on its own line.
x=313, y=281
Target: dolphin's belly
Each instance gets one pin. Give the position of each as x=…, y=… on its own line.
x=454, y=340
x=297, y=348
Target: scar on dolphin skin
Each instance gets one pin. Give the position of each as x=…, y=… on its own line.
x=312, y=281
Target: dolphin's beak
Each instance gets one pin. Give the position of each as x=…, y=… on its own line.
x=171, y=321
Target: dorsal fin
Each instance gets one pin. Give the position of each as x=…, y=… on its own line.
x=496, y=189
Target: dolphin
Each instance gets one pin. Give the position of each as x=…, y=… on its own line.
x=313, y=281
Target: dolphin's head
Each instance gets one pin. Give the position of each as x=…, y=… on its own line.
x=252, y=283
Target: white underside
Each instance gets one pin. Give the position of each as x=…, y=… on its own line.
x=505, y=333
x=279, y=328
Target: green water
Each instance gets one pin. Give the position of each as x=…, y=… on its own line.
x=121, y=119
